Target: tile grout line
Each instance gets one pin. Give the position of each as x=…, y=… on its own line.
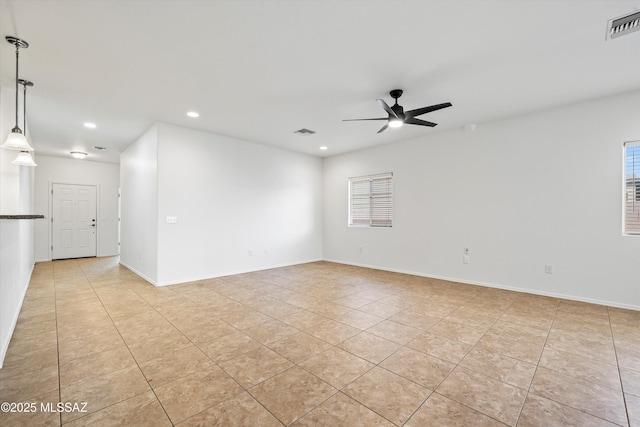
x=538, y=365
x=555, y=313
x=457, y=364
x=294, y=364
x=297, y=365
x=615, y=351
x=340, y=390
x=434, y=391
x=408, y=379
x=212, y=361
x=55, y=308
x=128, y=349
x=586, y=380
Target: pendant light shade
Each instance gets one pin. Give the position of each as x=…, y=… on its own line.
x=16, y=139
x=24, y=159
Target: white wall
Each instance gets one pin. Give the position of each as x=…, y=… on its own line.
x=105, y=176
x=240, y=206
x=139, y=206
x=232, y=197
x=16, y=236
x=16, y=265
x=544, y=188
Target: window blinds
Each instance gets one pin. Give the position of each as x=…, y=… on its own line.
x=370, y=200
x=632, y=187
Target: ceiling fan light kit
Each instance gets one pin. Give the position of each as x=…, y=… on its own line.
x=16, y=139
x=397, y=116
x=395, y=123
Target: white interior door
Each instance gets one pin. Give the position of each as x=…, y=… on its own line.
x=73, y=221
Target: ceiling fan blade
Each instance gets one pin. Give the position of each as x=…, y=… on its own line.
x=419, y=111
x=356, y=120
x=413, y=121
x=383, y=128
x=387, y=108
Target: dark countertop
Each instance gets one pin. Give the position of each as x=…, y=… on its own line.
x=21, y=216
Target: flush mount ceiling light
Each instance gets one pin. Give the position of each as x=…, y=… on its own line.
x=193, y=114
x=16, y=140
x=78, y=154
x=323, y=147
x=90, y=125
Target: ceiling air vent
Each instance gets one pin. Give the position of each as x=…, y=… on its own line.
x=304, y=131
x=623, y=25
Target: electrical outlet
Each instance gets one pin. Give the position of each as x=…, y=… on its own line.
x=466, y=259
x=548, y=268
x=250, y=252
x=361, y=249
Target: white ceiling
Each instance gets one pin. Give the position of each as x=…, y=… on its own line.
x=258, y=70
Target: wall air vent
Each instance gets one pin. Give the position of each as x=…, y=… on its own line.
x=623, y=25
x=304, y=131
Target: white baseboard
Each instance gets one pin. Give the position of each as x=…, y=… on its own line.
x=222, y=274
x=495, y=285
x=148, y=279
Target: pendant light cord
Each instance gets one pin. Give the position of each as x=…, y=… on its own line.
x=17, y=55
x=24, y=109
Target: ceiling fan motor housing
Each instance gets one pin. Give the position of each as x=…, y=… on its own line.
x=398, y=110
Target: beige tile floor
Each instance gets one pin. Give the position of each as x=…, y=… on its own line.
x=318, y=344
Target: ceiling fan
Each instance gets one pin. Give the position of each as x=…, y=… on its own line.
x=397, y=115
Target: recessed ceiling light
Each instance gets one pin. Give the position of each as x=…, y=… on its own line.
x=78, y=154
x=193, y=114
x=323, y=147
x=90, y=125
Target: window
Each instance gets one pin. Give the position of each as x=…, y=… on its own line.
x=370, y=200
x=632, y=187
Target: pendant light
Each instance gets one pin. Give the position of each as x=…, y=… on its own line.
x=24, y=158
x=16, y=140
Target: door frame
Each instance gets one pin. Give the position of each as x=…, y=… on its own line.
x=50, y=209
